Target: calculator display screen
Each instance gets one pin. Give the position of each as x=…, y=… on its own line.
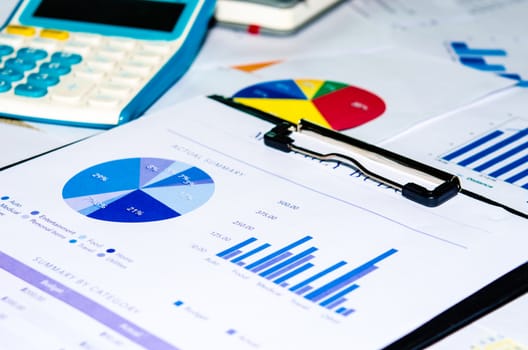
x=141, y=14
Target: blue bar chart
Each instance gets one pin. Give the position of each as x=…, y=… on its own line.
x=462, y=49
x=297, y=261
x=478, y=58
x=501, y=154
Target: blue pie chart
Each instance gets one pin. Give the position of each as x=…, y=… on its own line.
x=138, y=190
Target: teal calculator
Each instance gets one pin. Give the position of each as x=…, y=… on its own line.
x=96, y=63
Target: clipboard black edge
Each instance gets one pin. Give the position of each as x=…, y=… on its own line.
x=478, y=197
x=491, y=297
x=18, y=162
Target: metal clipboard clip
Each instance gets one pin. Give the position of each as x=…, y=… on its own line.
x=416, y=181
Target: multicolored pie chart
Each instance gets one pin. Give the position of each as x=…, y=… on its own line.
x=138, y=190
x=330, y=104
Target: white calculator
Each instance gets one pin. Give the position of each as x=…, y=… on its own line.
x=271, y=16
x=96, y=63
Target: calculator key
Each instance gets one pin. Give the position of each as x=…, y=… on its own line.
x=21, y=30
x=89, y=73
x=102, y=100
x=123, y=44
x=89, y=39
x=159, y=47
x=71, y=90
x=66, y=58
x=28, y=90
x=10, y=74
x=14, y=40
x=78, y=47
x=54, y=34
x=127, y=78
x=4, y=85
x=6, y=50
x=148, y=57
x=20, y=64
x=140, y=68
x=112, y=52
x=29, y=53
x=44, y=44
x=55, y=68
x=101, y=63
x=114, y=89
x=42, y=79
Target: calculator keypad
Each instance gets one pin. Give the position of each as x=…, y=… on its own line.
x=43, y=67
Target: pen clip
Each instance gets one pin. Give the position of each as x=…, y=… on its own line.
x=355, y=154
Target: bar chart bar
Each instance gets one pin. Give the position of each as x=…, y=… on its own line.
x=232, y=254
x=289, y=267
x=250, y=253
x=494, y=148
x=518, y=176
x=462, y=49
x=500, y=154
x=294, y=273
x=502, y=157
x=341, y=310
x=236, y=247
x=336, y=303
x=510, y=166
x=278, y=252
x=476, y=58
x=348, y=312
x=348, y=277
x=270, y=262
x=473, y=145
x=292, y=262
x=340, y=283
x=339, y=295
x=481, y=64
x=303, y=290
x=318, y=275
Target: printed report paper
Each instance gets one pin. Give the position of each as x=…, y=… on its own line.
x=486, y=145
x=183, y=231
x=369, y=95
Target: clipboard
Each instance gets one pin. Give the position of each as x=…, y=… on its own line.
x=284, y=136
x=359, y=155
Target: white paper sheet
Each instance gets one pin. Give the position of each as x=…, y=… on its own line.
x=482, y=35
x=399, y=89
x=411, y=15
x=83, y=265
x=23, y=140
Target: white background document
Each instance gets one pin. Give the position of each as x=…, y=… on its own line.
x=183, y=231
x=486, y=145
